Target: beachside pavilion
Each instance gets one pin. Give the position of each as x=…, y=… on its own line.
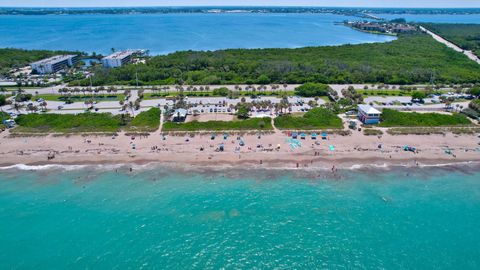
x=179, y=115
x=368, y=115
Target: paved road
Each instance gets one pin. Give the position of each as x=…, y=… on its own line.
x=449, y=44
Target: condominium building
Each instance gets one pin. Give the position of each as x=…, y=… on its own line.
x=54, y=63
x=118, y=59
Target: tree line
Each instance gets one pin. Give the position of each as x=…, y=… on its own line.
x=409, y=59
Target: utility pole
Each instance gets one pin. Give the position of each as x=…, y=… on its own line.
x=136, y=77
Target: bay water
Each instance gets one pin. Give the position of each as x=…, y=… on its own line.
x=166, y=33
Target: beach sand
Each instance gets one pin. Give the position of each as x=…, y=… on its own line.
x=355, y=150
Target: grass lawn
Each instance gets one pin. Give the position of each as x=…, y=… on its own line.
x=326, y=99
x=384, y=92
x=393, y=118
x=393, y=92
x=248, y=124
x=76, y=98
x=317, y=118
x=149, y=96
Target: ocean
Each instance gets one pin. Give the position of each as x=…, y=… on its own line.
x=166, y=33
x=157, y=217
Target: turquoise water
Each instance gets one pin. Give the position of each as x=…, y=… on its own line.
x=165, y=33
x=159, y=218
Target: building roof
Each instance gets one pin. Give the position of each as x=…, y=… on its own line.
x=54, y=59
x=180, y=113
x=368, y=109
x=121, y=54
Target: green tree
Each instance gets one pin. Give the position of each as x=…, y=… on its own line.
x=243, y=111
x=475, y=91
x=263, y=79
x=418, y=95
x=222, y=91
x=312, y=90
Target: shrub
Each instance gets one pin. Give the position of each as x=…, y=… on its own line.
x=146, y=121
x=249, y=124
x=23, y=97
x=475, y=105
x=84, y=122
x=372, y=132
x=393, y=118
x=222, y=91
x=317, y=118
x=471, y=113
x=243, y=111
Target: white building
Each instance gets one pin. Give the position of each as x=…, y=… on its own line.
x=54, y=63
x=118, y=59
x=368, y=115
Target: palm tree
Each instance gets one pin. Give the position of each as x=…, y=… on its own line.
x=131, y=106
x=17, y=106
x=44, y=105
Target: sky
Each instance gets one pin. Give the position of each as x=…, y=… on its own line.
x=323, y=3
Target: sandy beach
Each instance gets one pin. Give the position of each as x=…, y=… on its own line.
x=354, y=150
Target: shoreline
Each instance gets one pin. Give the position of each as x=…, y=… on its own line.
x=270, y=151
x=258, y=163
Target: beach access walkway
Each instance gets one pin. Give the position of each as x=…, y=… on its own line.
x=451, y=45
